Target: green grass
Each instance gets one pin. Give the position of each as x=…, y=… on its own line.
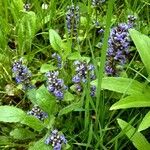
x=87, y=122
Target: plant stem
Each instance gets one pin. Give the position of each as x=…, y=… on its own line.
x=99, y=100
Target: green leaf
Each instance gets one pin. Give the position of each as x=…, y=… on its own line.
x=22, y=134
x=18, y=4
x=45, y=100
x=83, y=21
x=74, y=56
x=5, y=140
x=12, y=114
x=40, y=145
x=142, y=43
x=68, y=96
x=26, y=31
x=66, y=47
x=70, y=108
x=122, y=85
x=132, y=101
x=47, y=67
x=87, y=59
x=33, y=122
x=145, y=122
x=55, y=40
x=138, y=140
x=16, y=9
x=31, y=94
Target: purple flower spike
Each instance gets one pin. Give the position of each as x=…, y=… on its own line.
x=55, y=85
x=83, y=71
x=57, y=146
x=58, y=94
x=118, y=47
x=38, y=113
x=72, y=20
x=76, y=79
x=56, y=140
x=21, y=73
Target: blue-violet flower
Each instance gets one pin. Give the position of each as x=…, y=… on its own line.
x=55, y=85
x=56, y=140
x=72, y=20
x=38, y=113
x=21, y=73
x=83, y=71
x=118, y=47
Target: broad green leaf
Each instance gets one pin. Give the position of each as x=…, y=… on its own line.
x=145, y=122
x=87, y=59
x=12, y=114
x=46, y=19
x=32, y=122
x=55, y=40
x=66, y=47
x=45, y=100
x=40, y=145
x=132, y=101
x=50, y=122
x=74, y=56
x=122, y=85
x=142, y=43
x=22, y=134
x=47, y=67
x=73, y=88
x=70, y=108
x=83, y=21
x=31, y=94
x=68, y=96
x=138, y=140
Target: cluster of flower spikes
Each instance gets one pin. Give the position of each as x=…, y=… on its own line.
x=83, y=70
x=118, y=47
x=21, y=73
x=72, y=20
x=56, y=140
x=55, y=85
x=96, y=3
x=38, y=113
x=58, y=58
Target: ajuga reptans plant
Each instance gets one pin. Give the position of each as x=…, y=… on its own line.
x=118, y=47
x=83, y=71
x=72, y=20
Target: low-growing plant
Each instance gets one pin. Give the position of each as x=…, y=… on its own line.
x=66, y=67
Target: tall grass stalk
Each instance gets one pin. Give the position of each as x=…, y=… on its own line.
x=99, y=99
